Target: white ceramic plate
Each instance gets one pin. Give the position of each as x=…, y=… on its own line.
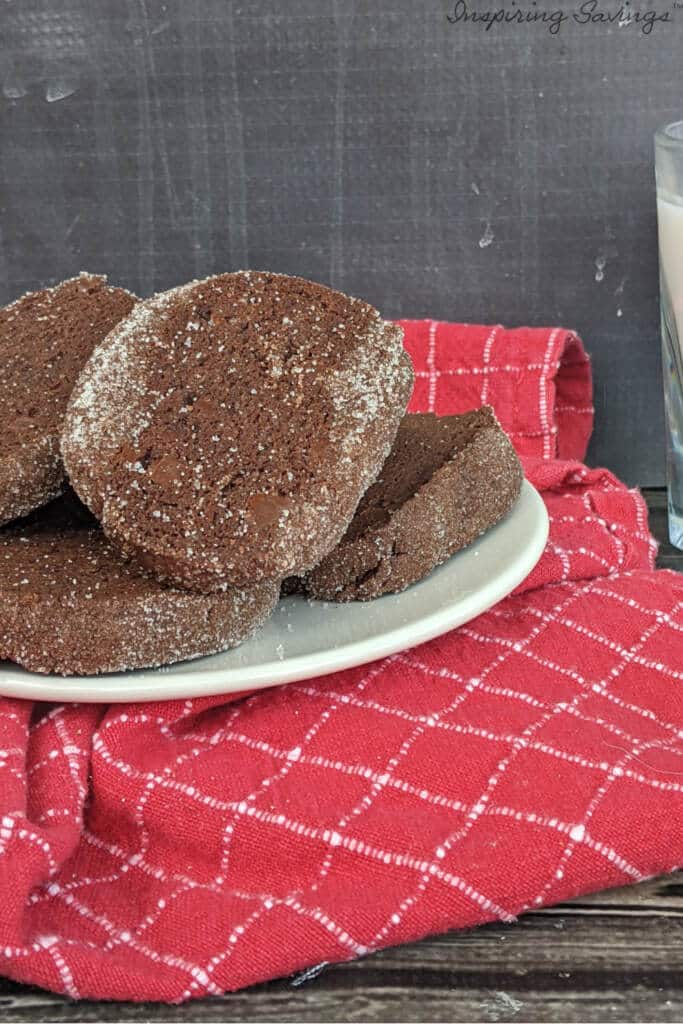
x=305, y=639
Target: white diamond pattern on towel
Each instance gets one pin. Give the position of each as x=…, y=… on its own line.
x=338, y=815
x=426, y=871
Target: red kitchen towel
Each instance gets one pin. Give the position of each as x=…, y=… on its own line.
x=166, y=851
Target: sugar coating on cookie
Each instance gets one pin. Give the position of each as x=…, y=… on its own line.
x=45, y=339
x=225, y=432
x=446, y=481
x=69, y=604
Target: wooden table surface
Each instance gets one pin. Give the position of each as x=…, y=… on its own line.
x=614, y=956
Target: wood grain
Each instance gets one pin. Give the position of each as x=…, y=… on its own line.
x=612, y=956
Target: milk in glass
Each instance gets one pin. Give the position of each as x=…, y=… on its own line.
x=670, y=226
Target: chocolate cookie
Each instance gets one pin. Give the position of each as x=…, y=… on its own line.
x=45, y=339
x=69, y=604
x=227, y=429
x=447, y=480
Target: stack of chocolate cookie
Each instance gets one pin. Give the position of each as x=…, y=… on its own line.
x=175, y=459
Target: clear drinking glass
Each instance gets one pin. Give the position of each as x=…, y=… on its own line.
x=669, y=173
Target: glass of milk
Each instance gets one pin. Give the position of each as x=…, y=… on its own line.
x=669, y=173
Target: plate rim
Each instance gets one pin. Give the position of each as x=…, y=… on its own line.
x=212, y=682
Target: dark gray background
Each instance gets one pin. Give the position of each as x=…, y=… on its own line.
x=434, y=169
